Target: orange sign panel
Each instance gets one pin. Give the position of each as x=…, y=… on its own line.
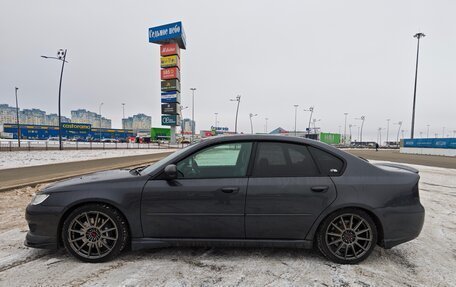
x=169, y=49
x=170, y=73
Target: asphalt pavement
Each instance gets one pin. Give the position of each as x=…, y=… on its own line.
x=32, y=175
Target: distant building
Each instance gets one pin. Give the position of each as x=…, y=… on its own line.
x=87, y=117
x=187, y=126
x=7, y=114
x=139, y=122
x=29, y=116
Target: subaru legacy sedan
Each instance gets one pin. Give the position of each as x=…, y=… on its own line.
x=243, y=190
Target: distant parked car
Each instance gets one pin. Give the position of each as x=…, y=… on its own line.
x=235, y=190
x=107, y=140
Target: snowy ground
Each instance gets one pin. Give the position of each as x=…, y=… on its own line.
x=429, y=260
x=30, y=158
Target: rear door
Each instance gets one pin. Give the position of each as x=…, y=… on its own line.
x=286, y=192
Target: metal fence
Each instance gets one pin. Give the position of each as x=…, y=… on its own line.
x=31, y=145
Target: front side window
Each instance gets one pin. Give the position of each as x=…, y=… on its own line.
x=275, y=159
x=220, y=161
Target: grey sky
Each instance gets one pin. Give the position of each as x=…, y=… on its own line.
x=339, y=56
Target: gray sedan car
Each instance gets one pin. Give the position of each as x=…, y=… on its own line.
x=234, y=191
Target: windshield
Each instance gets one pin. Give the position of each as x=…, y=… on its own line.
x=151, y=168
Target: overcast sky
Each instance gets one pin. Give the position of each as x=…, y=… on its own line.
x=347, y=56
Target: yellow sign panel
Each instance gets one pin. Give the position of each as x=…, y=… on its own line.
x=170, y=61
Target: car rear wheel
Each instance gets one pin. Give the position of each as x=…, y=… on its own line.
x=347, y=236
x=95, y=233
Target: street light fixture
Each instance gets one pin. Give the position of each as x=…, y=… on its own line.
x=251, y=123
x=296, y=113
x=61, y=56
x=193, y=113
x=17, y=120
x=418, y=36
x=238, y=100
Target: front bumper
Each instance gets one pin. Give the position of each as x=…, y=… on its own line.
x=43, y=222
x=401, y=224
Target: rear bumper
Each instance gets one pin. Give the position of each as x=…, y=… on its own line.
x=43, y=222
x=401, y=224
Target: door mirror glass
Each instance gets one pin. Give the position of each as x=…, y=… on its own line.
x=170, y=171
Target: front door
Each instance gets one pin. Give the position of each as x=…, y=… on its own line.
x=286, y=192
x=207, y=199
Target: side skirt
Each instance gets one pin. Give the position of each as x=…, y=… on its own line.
x=148, y=243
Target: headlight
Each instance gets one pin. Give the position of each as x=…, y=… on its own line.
x=39, y=198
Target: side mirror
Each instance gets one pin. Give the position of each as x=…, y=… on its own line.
x=171, y=171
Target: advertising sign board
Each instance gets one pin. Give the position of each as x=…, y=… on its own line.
x=170, y=85
x=431, y=143
x=75, y=126
x=170, y=97
x=169, y=49
x=170, y=108
x=170, y=120
x=170, y=73
x=170, y=61
x=169, y=33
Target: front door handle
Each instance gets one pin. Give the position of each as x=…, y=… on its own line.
x=320, y=188
x=230, y=189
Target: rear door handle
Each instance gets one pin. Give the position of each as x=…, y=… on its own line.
x=230, y=189
x=320, y=188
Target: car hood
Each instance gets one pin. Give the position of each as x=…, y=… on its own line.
x=395, y=166
x=92, y=178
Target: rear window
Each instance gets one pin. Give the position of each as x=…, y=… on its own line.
x=275, y=159
x=328, y=163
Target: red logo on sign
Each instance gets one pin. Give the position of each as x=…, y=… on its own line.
x=169, y=49
x=170, y=73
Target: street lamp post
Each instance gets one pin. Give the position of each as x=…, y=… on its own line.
x=311, y=109
x=362, y=118
x=345, y=129
x=182, y=123
x=100, y=120
x=238, y=100
x=398, y=131
x=215, y=126
x=61, y=56
x=296, y=113
x=251, y=122
x=193, y=113
x=17, y=120
x=427, y=133
x=266, y=125
x=418, y=36
x=387, y=131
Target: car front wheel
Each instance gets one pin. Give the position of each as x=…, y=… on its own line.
x=95, y=233
x=347, y=236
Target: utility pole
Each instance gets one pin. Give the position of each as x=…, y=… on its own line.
x=123, y=114
x=17, y=120
x=215, y=126
x=266, y=125
x=238, y=100
x=427, y=133
x=418, y=36
x=398, y=131
x=362, y=118
x=193, y=113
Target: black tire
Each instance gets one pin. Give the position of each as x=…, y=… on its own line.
x=347, y=236
x=96, y=226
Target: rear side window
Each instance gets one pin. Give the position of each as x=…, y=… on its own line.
x=328, y=163
x=274, y=159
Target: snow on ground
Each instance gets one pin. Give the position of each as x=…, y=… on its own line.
x=429, y=260
x=30, y=158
